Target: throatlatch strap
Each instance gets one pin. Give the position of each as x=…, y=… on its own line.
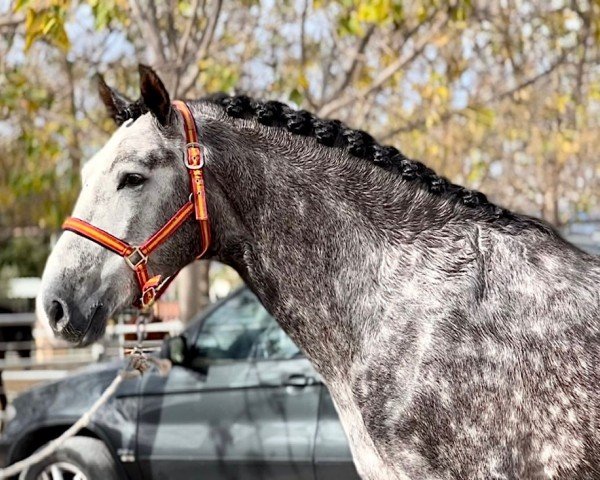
x=195, y=163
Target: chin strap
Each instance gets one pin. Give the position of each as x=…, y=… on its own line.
x=136, y=257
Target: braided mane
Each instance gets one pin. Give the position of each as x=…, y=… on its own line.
x=333, y=133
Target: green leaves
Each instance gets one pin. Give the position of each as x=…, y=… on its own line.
x=24, y=255
x=216, y=77
x=110, y=12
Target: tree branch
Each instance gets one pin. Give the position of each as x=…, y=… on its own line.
x=357, y=58
x=303, y=16
x=154, y=37
x=187, y=33
x=385, y=74
x=183, y=44
x=11, y=22
x=531, y=80
x=207, y=37
x=447, y=115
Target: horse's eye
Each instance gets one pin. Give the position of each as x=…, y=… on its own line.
x=131, y=180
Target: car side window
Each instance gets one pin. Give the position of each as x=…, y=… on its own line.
x=274, y=344
x=231, y=331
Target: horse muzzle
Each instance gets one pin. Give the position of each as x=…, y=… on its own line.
x=77, y=325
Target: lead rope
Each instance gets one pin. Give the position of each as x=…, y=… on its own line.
x=138, y=355
x=138, y=364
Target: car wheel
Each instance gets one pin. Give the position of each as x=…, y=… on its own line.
x=79, y=458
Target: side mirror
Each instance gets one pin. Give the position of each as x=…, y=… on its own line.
x=177, y=350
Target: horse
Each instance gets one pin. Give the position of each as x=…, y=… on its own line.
x=458, y=339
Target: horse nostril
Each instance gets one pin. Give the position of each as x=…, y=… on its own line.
x=56, y=314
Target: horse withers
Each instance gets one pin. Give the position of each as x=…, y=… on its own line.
x=459, y=340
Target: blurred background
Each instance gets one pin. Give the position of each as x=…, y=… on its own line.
x=502, y=96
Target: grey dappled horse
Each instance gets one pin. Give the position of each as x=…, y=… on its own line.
x=459, y=340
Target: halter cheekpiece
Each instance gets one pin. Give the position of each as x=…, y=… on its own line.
x=136, y=257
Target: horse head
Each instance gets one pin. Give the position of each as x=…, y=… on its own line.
x=130, y=188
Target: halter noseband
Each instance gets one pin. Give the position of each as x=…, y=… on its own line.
x=136, y=257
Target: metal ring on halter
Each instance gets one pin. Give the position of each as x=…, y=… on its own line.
x=143, y=258
x=186, y=156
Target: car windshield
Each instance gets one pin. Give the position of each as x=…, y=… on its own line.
x=239, y=329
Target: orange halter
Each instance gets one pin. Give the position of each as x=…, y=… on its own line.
x=137, y=257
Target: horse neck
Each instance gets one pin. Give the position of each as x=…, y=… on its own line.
x=332, y=245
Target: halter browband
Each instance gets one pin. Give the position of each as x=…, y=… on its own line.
x=137, y=257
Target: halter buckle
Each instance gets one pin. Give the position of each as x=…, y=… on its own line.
x=148, y=297
x=135, y=264
x=186, y=155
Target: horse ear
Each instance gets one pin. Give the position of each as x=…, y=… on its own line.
x=116, y=104
x=154, y=94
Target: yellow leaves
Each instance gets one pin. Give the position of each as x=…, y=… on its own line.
x=435, y=93
x=558, y=104
x=485, y=116
x=441, y=40
x=364, y=78
x=594, y=91
x=350, y=25
x=433, y=150
x=561, y=103
x=432, y=118
x=566, y=143
x=48, y=25
x=443, y=93
x=422, y=13
x=20, y=93
x=359, y=13
x=45, y=21
x=302, y=81
x=297, y=94
x=478, y=168
x=374, y=11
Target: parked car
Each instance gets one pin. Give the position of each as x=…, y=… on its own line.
x=241, y=402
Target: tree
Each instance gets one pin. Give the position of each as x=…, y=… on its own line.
x=503, y=97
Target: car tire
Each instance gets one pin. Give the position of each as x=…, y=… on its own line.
x=84, y=456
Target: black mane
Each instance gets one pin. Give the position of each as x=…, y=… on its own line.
x=333, y=133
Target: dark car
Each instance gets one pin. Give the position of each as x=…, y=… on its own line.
x=241, y=403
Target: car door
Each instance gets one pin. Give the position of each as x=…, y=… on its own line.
x=232, y=414
x=333, y=459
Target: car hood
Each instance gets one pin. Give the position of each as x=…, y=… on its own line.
x=70, y=397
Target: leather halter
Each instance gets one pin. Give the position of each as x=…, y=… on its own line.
x=136, y=257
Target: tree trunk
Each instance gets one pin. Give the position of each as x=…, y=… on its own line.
x=550, y=211
x=192, y=289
